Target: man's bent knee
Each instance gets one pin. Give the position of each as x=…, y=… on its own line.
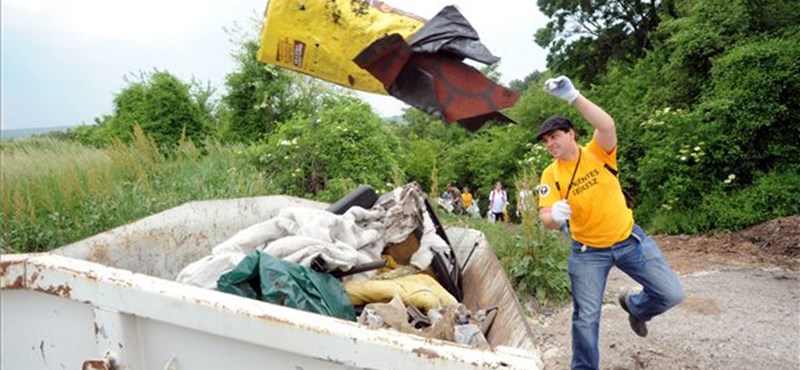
x=673, y=297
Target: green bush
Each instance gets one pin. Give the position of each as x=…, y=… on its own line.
x=162, y=105
x=344, y=140
x=538, y=266
x=727, y=208
x=704, y=168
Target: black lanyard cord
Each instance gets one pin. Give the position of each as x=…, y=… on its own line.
x=569, y=188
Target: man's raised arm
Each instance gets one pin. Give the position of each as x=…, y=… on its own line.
x=605, y=131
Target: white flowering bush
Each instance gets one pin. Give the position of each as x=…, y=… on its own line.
x=328, y=154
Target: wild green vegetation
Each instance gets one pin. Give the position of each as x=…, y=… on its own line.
x=55, y=192
x=705, y=94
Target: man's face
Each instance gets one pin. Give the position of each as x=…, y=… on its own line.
x=558, y=142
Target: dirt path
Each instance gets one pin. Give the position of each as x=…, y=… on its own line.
x=742, y=307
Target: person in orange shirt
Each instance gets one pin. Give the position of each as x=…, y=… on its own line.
x=580, y=194
x=466, y=198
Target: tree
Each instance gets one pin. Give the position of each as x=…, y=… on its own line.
x=161, y=104
x=492, y=154
x=491, y=72
x=583, y=36
x=258, y=97
x=705, y=121
x=524, y=84
x=425, y=126
x=203, y=95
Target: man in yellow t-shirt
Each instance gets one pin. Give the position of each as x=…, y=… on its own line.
x=581, y=194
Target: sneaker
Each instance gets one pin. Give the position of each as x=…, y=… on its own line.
x=639, y=327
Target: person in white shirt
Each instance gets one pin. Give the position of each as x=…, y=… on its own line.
x=497, y=199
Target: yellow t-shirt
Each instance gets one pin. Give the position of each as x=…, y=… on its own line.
x=600, y=217
x=466, y=198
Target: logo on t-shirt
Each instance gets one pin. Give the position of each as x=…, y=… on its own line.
x=544, y=190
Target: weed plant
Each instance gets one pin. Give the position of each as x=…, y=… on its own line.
x=534, y=258
x=537, y=260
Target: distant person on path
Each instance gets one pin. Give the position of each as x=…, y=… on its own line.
x=497, y=201
x=466, y=198
x=581, y=194
x=455, y=198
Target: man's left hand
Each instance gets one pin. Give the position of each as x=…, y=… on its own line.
x=561, y=87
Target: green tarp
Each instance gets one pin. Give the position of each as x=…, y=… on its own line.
x=261, y=276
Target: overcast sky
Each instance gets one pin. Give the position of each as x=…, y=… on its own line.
x=63, y=60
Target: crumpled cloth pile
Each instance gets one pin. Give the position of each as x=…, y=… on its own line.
x=303, y=235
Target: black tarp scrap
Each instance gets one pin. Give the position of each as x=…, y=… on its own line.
x=449, y=31
x=428, y=71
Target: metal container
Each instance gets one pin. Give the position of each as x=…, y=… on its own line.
x=110, y=302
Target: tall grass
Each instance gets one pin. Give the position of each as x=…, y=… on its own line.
x=56, y=192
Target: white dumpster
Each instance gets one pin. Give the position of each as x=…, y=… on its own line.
x=110, y=302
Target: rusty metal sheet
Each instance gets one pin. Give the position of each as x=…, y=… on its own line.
x=486, y=285
x=201, y=329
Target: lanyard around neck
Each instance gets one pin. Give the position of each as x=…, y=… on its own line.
x=569, y=188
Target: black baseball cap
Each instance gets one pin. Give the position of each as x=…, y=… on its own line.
x=553, y=123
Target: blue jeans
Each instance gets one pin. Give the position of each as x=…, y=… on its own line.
x=639, y=257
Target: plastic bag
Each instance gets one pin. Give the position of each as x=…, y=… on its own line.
x=474, y=211
x=261, y=276
x=471, y=335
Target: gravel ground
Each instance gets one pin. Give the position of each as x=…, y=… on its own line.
x=732, y=318
x=742, y=311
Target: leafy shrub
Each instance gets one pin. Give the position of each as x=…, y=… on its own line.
x=162, y=105
x=730, y=208
x=744, y=131
x=344, y=140
x=538, y=265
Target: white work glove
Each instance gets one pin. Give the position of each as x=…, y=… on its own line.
x=561, y=87
x=560, y=211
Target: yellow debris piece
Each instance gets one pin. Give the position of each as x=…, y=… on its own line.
x=320, y=38
x=418, y=290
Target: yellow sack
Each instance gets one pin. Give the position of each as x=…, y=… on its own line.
x=418, y=290
x=321, y=37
